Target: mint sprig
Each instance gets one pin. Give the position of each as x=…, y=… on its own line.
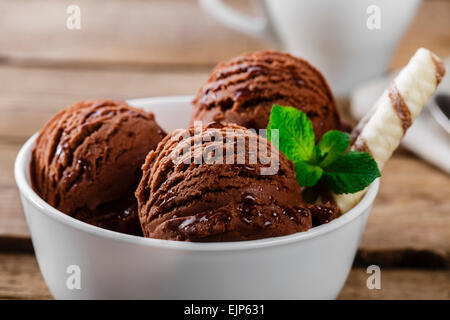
x=297, y=136
x=332, y=145
x=351, y=172
x=328, y=162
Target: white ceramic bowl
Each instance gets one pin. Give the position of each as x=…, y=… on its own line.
x=306, y=265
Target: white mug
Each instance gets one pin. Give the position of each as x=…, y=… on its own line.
x=349, y=41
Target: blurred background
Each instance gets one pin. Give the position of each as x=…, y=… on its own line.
x=142, y=48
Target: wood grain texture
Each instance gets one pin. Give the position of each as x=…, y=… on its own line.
x=132, y=31
x=12, y=218
x=161, y=32
x=410, y=213
x=20, y=279
x=30, y=96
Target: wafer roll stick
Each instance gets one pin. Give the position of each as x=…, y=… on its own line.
x=380, y=132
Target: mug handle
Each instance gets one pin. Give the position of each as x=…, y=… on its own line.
x=258, y=27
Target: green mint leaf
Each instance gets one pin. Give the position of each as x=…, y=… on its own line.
x=350, y=173
x=296, y=135
x=327, y=162
x=331, y=146
x=307, y=174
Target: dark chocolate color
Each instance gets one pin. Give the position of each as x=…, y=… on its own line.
x=218, y=202
x=86, y=161
x=244, y=89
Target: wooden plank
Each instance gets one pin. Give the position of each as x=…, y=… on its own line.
x=160, y=32
x=411, y=212
x=12, y=218
x=30, y=96
x=132, y=31
x=20, y=279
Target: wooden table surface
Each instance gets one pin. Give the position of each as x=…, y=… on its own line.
x=128, y=49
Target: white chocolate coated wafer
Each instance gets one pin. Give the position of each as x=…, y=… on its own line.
x=381, y=131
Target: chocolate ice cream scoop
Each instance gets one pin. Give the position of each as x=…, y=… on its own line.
x=86, y=161
x=186, y=193
x=244, y=89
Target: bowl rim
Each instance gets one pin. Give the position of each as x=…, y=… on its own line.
x=21, y=168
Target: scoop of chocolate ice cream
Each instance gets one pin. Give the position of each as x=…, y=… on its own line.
x=86, y=162
x=244, y=89
x=186, y=193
